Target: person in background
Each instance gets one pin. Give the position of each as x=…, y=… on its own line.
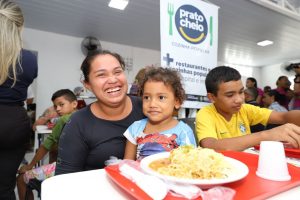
x=65, y=103
x=296, y=68
x=18, y=69
x=134, y=89
x=251, y=96
x=49, y=117
x=267, y=88
x=78, y=91
x=270, y=101
x=225, y=124
x=283, y=86
x=252, y=83
x=295, y=101
x=95, y=132
x=162, y=93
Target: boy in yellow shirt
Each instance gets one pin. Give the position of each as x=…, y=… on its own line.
x=225, y=124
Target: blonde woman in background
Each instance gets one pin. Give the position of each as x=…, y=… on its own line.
x=18, y=68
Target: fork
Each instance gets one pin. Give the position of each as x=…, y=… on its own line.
x=171, y=13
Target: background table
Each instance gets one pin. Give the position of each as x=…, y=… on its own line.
x=40, y=134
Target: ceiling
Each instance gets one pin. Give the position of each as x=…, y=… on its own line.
x=242, y=24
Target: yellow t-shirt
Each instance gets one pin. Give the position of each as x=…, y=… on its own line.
x=209, y=123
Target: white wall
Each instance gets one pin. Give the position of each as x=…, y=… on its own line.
x=60, y=57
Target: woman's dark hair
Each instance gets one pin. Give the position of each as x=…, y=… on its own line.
x=253, y=80
x=86, y=64
x=218, y=75
x=166, y=75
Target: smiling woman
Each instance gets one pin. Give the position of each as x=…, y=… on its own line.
x=95, y=132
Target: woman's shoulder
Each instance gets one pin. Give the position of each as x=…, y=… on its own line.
x=82, y=113
x=28, y=62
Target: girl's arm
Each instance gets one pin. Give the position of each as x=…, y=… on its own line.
x=130, y=151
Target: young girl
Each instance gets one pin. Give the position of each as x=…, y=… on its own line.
x=162, y=93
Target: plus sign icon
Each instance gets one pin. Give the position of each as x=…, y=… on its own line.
x=168, y=59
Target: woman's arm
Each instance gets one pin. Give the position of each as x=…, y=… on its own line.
x=72, y=149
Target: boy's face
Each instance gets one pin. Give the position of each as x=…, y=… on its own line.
x=159, y=101
x=63, y=106
x=229, y=98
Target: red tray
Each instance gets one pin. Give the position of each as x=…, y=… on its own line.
x=251, y=187
x=289, y=152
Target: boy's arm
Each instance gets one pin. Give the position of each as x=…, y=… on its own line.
x=292, y=116
x=56, y=132
x=289, y=133
x=42, y=151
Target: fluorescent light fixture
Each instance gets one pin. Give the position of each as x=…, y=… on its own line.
x=118, y=4
x=265, y=43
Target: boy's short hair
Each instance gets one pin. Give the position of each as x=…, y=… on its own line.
x=218, y=75
x=66, y=93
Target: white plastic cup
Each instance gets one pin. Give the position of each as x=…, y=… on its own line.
x=272, y=163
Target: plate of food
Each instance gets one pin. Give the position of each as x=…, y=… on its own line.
x=199, y=166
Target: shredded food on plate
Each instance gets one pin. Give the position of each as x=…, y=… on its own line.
x=193, y=163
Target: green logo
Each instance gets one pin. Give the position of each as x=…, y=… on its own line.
x=170, y=13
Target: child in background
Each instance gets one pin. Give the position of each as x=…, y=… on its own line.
x=65, y=104
x=162, y=93
x=48, y=118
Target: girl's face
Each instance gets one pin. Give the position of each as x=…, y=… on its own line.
x=249, y=83
x=159, y=101
x=107, y=80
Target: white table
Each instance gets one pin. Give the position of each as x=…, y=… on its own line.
x=89, y=185
x=41, y=132
x=96, y=184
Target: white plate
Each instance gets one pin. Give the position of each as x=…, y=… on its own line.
x=240, y=171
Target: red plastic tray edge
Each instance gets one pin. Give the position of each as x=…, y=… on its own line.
x=291, y=184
